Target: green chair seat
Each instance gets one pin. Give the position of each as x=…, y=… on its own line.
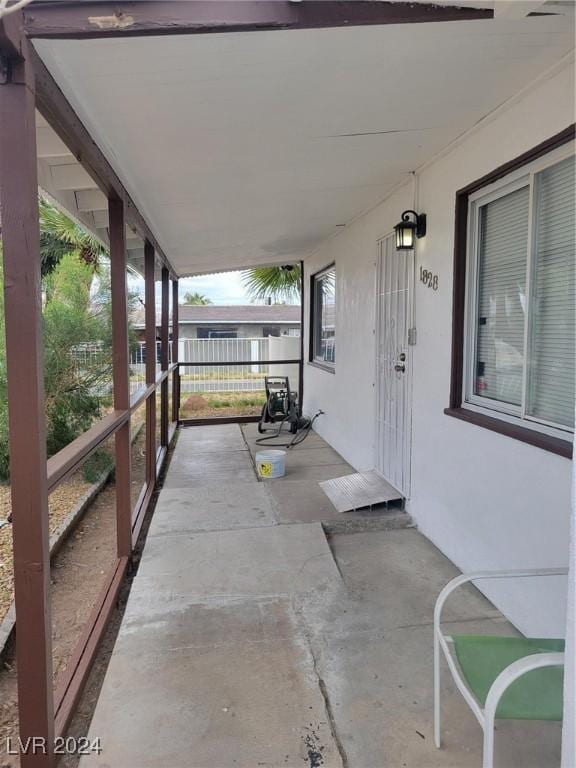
x=537, y=695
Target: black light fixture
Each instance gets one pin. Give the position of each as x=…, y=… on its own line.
x=411, y=226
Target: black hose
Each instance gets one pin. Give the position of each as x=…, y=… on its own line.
x=298, y=438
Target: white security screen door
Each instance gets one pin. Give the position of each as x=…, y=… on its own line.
x=395, y=281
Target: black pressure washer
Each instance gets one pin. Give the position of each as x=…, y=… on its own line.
x=283, y=409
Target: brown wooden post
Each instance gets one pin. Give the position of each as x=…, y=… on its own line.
x=175, y=353
x=24, y=354
x=120, y=372
x=164, y=354
x=301, y=366
x=150, y=339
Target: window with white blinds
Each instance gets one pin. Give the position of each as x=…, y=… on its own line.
x=502, y=249
x=521, y=334
x=551, y=370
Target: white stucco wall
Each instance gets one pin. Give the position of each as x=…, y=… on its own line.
x=285, y=348
x=485, y=500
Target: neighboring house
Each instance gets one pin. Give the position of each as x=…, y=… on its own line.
x=249, y=321
x=238, y=322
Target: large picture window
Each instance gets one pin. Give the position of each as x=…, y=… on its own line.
x=323, y=318
x=520, y=316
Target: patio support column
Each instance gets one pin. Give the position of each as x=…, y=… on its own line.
x=24, y=355
x=164, y=352
x=120, y=373
x=150, y=339
x=175, y=354
x=301, y=367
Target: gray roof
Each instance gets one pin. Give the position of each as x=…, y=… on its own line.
x=261, y=314
x=247, y=313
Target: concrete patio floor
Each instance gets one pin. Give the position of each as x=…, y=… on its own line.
x=261, y=631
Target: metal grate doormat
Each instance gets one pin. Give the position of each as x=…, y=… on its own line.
x=360, y=490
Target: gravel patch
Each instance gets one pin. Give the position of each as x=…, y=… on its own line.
x=60, y=503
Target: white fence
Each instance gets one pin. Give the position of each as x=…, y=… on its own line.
x=138, y=364
x=223, y=350
x=248, y=377
x=222, y=378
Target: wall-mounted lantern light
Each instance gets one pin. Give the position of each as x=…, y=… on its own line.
x=411, y=226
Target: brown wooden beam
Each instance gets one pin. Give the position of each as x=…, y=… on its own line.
x=70, y=686
x=162, y=453
x=141, y=514
x=301, y=368
x=211, y=364
x=150, y=339
x=141, y=394
x=164, y=356
x=165, y=320
x=160, y=377
x=150, y=312
x=211, y=421
x=57, y=110
x=69, y=458
x=172, y=17
x=175, y=340
x=24, y=355
x=120, y=364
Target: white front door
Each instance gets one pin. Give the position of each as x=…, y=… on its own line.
x=395, y=281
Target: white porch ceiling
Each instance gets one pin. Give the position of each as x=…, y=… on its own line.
x=251, y=148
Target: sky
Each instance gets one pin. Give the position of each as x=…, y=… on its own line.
x=224, y=288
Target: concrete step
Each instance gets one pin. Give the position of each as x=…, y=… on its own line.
x=369, y=520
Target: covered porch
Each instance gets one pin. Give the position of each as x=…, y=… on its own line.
x=261, y=630
x=264, y=627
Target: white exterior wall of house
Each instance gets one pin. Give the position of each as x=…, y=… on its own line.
x=487, y=501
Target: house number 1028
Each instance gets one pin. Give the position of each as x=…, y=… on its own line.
x=428, y=278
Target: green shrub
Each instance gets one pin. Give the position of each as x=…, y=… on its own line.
x=77, y=315
x=101, y=461
x=233, y=400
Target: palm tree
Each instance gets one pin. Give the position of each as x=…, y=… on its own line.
x=280, y=284
x=196, y=299
x=60, y=235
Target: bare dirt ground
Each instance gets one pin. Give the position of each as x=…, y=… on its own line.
x=77, y=574
x=61, y=502
x=222, y=404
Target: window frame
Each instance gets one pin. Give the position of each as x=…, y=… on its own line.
x=312, y=358
x=213, y=332
x=492, y=414
x=475, y=203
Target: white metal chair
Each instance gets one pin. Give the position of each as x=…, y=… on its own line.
x=497, y=675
